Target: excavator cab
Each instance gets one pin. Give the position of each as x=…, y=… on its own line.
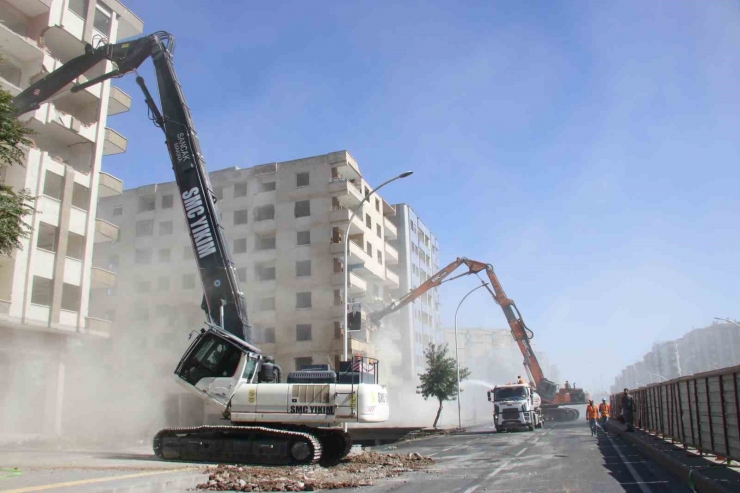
x=547, y=389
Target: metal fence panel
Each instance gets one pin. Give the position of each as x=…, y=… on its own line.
x=701, y=411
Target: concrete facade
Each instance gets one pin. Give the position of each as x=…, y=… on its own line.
x=700, y=350
x=418, y=252
x=284, y=223
x=45, y=285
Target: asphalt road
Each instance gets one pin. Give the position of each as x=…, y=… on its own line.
x=561, y=457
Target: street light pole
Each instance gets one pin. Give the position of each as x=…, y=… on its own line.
x=727, y=320
x=457, y=358
x=346, y=250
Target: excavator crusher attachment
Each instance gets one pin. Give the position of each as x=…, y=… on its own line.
x=238, y=444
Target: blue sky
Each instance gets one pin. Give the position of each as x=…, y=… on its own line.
x=588, y=150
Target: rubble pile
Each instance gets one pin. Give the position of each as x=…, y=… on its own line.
x=361, y=469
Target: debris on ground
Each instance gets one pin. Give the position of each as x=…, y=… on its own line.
x=361, y=469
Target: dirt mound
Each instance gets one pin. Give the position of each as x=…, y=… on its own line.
x=361, y=469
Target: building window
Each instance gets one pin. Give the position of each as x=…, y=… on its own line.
x=218, y=192
x=268, y=186
x=266, y=242
x=118, y=210
x=412, y=226
x=165, y=228
x=265, y=272
x=144, y=228
x=143, y=256
x=71, y=296
x=80, y=196
x=240, y=245
x=303, y=300
x=303, y=332
x=240, y=217
x=75, y=246
x=143, y=286
x=187, y=253
x=164, y=255
x=303, y=268
x=240, y=189
x=53, y=185
x=102, y=19
x=10, y=72
x=167, y=201
x=378, y=230
x=338, y=331
x=266, y=305
x=264, y=213
x=79, y=7
x=146, y=203
x=368, y=222
x=369, y=248
x=241, y=274
x=303, y=208
x=380, y=257
x=377, y=204
x=268, y=335
x=303, y=362
x=303, y=238
x=163, y=283
x=301, y=180
x=188, y=281
x=41, y=291
x=47, y=237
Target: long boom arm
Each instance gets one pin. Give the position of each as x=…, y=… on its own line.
x=545, y=387
x=222, y=294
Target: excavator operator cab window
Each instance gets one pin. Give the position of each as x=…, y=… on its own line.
x=210, y=356
x=249, y=368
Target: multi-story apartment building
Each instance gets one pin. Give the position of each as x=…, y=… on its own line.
x=284, y=223
x=44, y=286
x=708, y=348
x=418, y=253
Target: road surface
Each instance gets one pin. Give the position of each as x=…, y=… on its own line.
x=561, y=457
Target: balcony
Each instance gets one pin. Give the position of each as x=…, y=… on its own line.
x=264, y=226
x=101, y=278
x=31, y=8
x=391, y=232
x=337, y=311
x=105, y=231
x=115, y=143
x=339, y=216
x=355, y=346
x=98, y=326
x=348, y=193
x=109, y=185
x=118, y=101
x=391, y=255
x=346, y=167
x=264, y=169
x=391, y=279
x=356, y=254
x=357, y=285
x=388, y=209
x=13, y=40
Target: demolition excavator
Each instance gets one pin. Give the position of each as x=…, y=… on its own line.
x=553, y=397
x=269, y=422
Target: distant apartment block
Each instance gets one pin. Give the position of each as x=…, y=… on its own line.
x=285, y=224
x=700, y=350
x=45, y=286
x=418, y=254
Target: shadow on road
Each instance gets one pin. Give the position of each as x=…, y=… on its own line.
x=617, y=467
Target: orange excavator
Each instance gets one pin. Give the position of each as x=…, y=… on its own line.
x=553, y=396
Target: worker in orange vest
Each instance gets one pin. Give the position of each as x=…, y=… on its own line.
x=592, y=414
x=604, y=410
x=519, y=379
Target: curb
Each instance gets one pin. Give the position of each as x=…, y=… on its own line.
x=693, y=478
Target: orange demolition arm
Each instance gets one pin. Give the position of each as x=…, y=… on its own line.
x=545, y=387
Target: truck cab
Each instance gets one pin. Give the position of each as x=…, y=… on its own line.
x=515, y=406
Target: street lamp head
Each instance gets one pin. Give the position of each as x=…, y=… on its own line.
x=405, y=174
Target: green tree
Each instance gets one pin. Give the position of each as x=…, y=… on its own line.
x=440, y=379
x=14, y=204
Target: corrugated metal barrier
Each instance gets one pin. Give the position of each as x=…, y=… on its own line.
x=700, y=411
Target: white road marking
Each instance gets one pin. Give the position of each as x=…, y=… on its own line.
x=521, y=452
x=635, y=475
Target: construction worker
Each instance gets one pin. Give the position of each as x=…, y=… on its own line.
x=519, y=379
x=592, y=414
x=628, y=410
x=567, y=385
x=604, y=409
